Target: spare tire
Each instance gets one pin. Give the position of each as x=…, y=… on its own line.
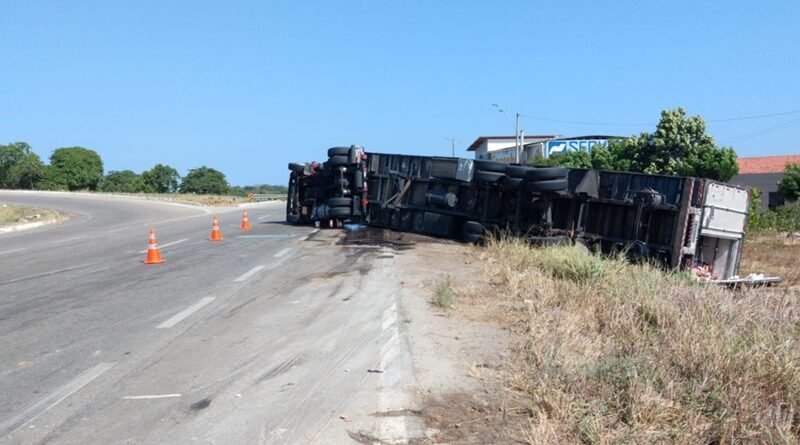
x=338, y=151
x=490, y=166
x=552, y=185
x=484, y=176
x=544, y=173
x=517, y=171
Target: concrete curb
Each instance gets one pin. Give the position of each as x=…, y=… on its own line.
x=30, y=225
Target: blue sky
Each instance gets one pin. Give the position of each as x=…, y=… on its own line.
x=245, y=87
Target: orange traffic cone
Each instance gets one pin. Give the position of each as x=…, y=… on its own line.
x=216, y=234
x=153, y=254
x=245, y=222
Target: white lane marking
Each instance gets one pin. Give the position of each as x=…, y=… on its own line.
x=151, y=397
x=283, y=252
x=182, y=315
x=6, y=252
x=64, y=241
x=45, y=274
x=161, y=246
x=315, y=231
x=249, y=273
x=265, y=236
x=261, y=218
x=53, y=399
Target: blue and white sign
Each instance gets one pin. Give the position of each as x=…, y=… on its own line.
x=556, y=147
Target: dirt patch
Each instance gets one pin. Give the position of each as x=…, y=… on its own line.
x=459, y=352
x=773, y=253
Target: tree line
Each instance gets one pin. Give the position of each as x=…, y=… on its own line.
x=678, y=146
x=79, y=168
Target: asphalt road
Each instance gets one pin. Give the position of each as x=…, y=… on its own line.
x=276, y=335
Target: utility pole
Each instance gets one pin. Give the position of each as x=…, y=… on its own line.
x=518, y=138
x=452, y=145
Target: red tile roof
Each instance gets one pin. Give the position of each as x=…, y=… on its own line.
x=766, y=164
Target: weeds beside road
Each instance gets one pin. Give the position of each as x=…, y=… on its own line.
x=14, y=214
x=612, y=352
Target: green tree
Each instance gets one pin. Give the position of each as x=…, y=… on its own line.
x=161, y=179
x=20, y=167
x=27, y=173
x=124, y=181
x=679, y=146
x=76, y=168
x=204, y=181
x=789, y=186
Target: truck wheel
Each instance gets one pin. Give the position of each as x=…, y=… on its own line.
x=291, y=218
x=490, y=166
x=512, y=183
x=339, y=212
x=544, y=173
x=474, y=238
x=297, y=167
x=482, y=176
x=338, y=160
x=552, y=185
x=549, y=240
x=473, y=228
x=338, y=151
x=517, y=171
x=340, y=202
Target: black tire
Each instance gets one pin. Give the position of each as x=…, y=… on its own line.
x=338, y=160
x=474, y=238
x=549, y=240
x=340, y=202
x=483, y=176
x=339, y=212
x=490, y=166
x=512, y=183
x=546, y=173
x=553, y=185
x=473, y=227
x=338, y=151
x=517, y=171
x=297, y=167
x=291, y=218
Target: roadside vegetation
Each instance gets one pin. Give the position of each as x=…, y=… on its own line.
x=612, y=352
x=81, y=169
x=14, y=214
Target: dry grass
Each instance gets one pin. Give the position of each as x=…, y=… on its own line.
x=205, y=200
x=612, y=352
x=13, y=214
x=773, y=253
x=443, y=295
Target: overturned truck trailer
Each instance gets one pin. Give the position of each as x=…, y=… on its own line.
x=678, y=222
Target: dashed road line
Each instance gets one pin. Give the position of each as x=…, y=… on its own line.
x=6, y=252
x=249, y=273
x=283, y=252
x=53, y=399
x=152, y=397
x=261, y=218
x=161, y=246
x=182, y=315
x=45, y=274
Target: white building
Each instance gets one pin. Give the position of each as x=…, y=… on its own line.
x=503, y=148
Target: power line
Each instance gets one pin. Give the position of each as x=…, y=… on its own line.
x=762, y=131
x=640, y=124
